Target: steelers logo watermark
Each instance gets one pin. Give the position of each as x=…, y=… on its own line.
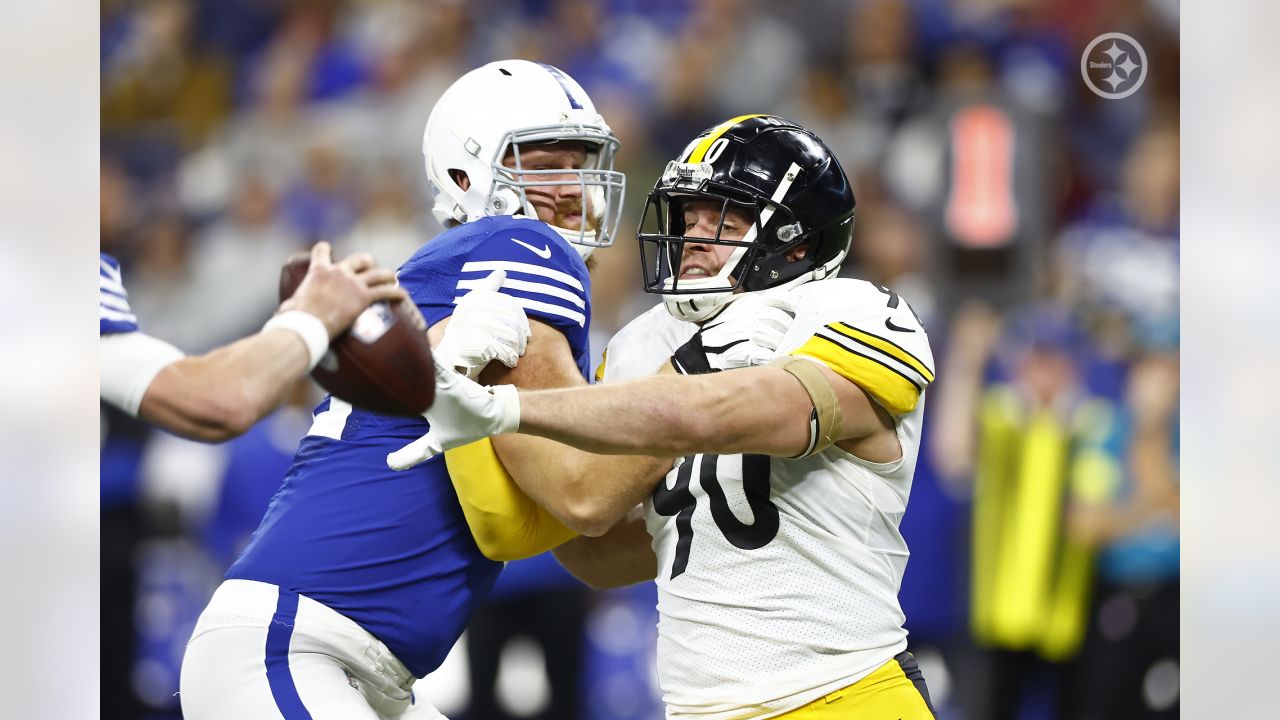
x=1114, y=65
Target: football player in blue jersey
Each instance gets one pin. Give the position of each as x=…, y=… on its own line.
x=360, y=579
x=219, y=395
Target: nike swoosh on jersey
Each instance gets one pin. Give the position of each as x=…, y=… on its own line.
x=888, y=322
x=544, y=253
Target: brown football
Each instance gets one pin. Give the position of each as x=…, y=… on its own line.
x=383, y=363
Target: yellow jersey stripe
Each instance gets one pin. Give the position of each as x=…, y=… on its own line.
x=604, y=358
x=700, y=150
x=896, y=392
x=872, y=353
x=886, y=346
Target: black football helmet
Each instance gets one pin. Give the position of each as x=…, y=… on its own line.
x=782, y=175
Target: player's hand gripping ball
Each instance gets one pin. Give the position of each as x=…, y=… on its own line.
x=383, y=362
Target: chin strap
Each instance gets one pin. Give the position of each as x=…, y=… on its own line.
x=696, y=308
x=576, y=238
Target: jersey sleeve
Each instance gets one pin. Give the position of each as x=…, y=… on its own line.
x=544, y=274
x=114, y=313
x=643, y=346
x=875, y=343
x=505, y=522
x=127, y=363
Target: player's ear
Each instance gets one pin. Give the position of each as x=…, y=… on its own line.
x=798, y=252
x=461, y=178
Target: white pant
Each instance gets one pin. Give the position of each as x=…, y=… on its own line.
x=260, y=654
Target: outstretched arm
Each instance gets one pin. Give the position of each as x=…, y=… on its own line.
x=219, y=395
x=761, y=410
x=764, y=410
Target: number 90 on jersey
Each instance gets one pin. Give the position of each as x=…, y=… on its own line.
x=680, y=502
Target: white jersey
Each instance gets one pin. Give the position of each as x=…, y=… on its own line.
x=778, y=578
x=643, y=345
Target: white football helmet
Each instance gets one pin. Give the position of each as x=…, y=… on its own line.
x=499, y=107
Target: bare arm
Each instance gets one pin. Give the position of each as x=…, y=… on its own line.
x=623, y=556
x=219, y=395
x=1153, y=400
x=586, y=492
x=752, y=410
x=955, y=439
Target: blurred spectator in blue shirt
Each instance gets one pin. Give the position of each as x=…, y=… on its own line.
x=1120, y=262
x=1130, y=664
x=322, y=204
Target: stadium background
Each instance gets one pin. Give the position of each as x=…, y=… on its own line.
x=235, y=132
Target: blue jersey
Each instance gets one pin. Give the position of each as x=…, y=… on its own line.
x=392, y=550
x=114, y=314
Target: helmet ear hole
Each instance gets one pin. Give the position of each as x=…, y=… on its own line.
x=799, y=252
x=460, y=178
x=505, y=201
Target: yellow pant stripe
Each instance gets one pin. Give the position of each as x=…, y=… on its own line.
x=886, y=694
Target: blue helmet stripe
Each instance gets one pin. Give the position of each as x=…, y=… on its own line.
x=560, y=77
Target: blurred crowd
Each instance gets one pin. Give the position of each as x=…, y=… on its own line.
x=1031, y=224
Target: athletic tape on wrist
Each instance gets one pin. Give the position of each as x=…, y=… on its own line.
x=306, y=326
x=825, y=421
x=509, y=398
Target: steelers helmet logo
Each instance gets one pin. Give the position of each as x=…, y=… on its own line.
x=1114, y=65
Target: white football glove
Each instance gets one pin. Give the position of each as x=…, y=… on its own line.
x=746, y=333
x=463, y=412
x=486, y=325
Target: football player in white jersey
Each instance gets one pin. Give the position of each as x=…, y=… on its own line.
x=221, y=394
x=774, y=539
